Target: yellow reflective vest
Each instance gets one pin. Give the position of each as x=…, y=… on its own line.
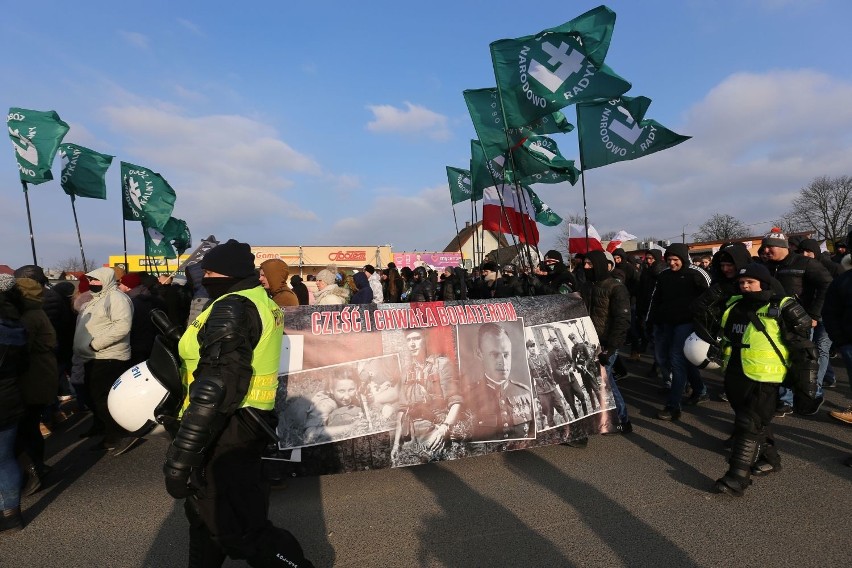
x=264, y=361
x=760, y=362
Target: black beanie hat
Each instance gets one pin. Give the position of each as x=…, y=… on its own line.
x=232, y=258
x=758, y=272
x=553, y=255
x=490, y=266
x=810, y=245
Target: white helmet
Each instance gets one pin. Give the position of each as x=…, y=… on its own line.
x=147, y=393
x=695, y=349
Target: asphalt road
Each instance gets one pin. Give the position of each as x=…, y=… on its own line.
x=636, y=500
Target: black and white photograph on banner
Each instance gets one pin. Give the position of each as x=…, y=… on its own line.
x=339, y=402
x=549, y=401
x=429, y=422
x=496, y=383
x=571, y=353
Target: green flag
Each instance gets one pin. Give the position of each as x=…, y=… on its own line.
x=146, y=196
x=35, y=136
x=177, y=232
x=543, y=214
x=486, y=112
x=540, y=74
x=156, y=243
x=83, y=171
x=460, y=188
x=484, y=172
x=537, y=160
x=616, y=130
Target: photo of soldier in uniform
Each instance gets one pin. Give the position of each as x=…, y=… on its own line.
x=550, y=399
x=339, y=402
x=497, y=384
x=429, y=399
x=572, y=358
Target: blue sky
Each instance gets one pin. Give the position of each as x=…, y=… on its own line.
x=284, y=123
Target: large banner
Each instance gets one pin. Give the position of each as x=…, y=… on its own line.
x=366, y=387
x=435, y=260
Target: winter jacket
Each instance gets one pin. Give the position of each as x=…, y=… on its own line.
x=422, y=291
x=13, y=361
x=57, y=305
x=803, y=278
x=376, y=286
x=332, y=295
x=837, y=310
x=647, y=283
x=40, y=383
x=364, y=295
x=277, y=272
x=142, y=329
x=631, y=276
x=676, y=290
x=299, y=289
x=708, y=308
x=103, y=328
x=607, y=301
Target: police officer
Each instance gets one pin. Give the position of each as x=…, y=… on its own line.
x=761, y=333
x=502, y=408
x=229, y=359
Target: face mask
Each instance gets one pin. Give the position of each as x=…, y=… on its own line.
x=217, y=286
x=95, y=288
x=491, y=277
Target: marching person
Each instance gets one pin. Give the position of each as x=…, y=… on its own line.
x=229, y=359
x=762, y=333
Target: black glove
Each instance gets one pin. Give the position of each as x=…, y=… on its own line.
x=603, y=358
x=714, y=353
x=177, y=482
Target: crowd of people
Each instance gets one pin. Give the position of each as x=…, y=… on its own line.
x=772, y=322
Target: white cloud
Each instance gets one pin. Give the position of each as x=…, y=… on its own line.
x=191, y=26
x=757, y=140
x=412, y=120
x=227, y=169
x=135, y=39
x=408, y=222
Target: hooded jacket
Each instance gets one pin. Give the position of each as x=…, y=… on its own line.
x=300, y=290
x=677, y=290
x=40, y=383
x=364, y=294
x=103, y=328
x=647, y=283
x=806, y=279
x=607, y=301
x=13, y=363
x=707, y=310
x=277, y=273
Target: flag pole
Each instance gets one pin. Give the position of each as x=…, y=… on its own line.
x=29, y=220
x=456, y=221
x=124, y=232
x=583, y=174
x=79, y=238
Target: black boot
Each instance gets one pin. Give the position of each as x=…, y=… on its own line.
x=738, y=477
x=11, y=520
x=33, y=481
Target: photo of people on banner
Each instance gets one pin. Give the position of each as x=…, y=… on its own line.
x=416, y=394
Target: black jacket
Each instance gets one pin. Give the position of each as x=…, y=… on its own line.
x=674, y=294
x=608, y=303
x=647, y=283
x=837, y=309
x=804, y=278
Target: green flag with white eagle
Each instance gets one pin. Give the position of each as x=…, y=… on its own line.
x=83, y=171
x=537, y=160
x=486, y=112
x=36, y=136
x=146, y=196
x=177, y=232
x=543, y=213
x=156, y=243
x=460, y=188
x=542, y=73
x=616, y=130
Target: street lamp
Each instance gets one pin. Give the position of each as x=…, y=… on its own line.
x=683, y=233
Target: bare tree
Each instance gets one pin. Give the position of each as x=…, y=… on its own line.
x=74, y=264
x=720, y=227
x=791, y=223
x=825, y=205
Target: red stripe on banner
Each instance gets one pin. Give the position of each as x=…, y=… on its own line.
x=612, y=246
x=511, y=221
x=578, y=245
